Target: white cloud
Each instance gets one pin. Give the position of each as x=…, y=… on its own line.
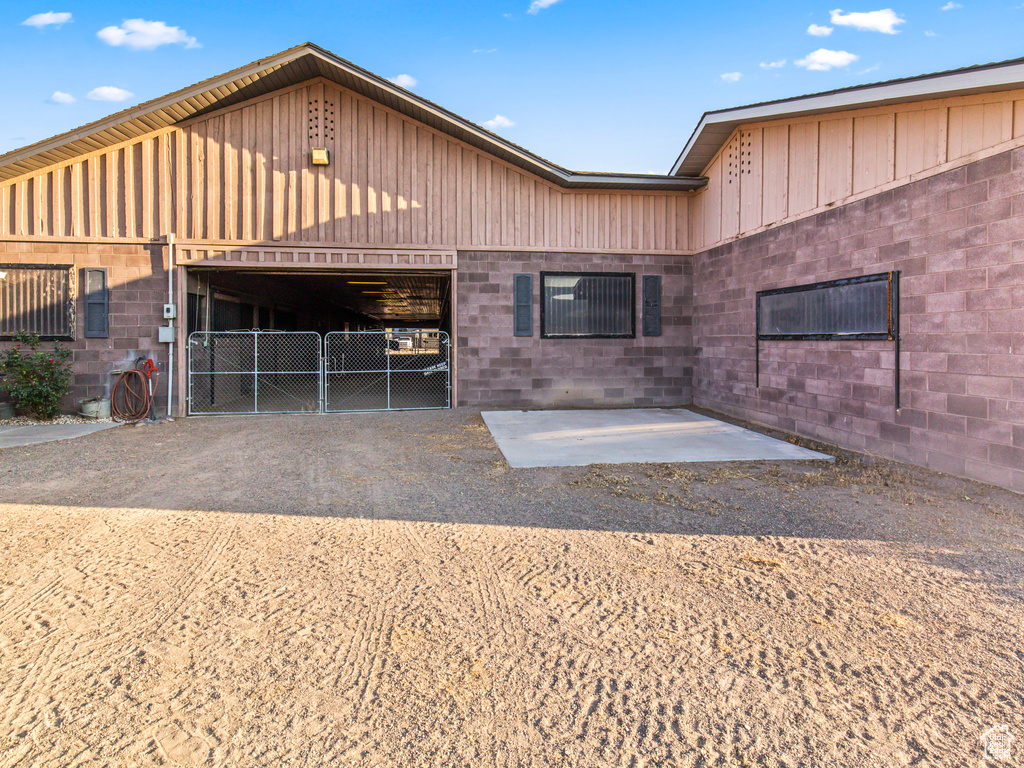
x=539, y=5
x=773, y=64
x=48, y=19
x=142, y=35
x=59, y=97
x=499, y=121
x=731, y=77
x=485, y=50
x=109, y=93
x=951, y=6
x=819, y=30
x=883, y=21
x=929, y=33
x=822, y=60
x=405, y=81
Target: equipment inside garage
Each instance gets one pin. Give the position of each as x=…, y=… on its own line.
x=269, y=341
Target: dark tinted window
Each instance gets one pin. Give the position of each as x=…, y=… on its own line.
x=575, y=304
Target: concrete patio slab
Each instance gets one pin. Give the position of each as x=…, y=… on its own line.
x=12, y=436
x=579, y=438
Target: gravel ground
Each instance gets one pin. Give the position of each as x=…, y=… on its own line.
x=25, y=421
x=382, y=590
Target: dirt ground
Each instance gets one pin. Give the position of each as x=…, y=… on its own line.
x=382, y=590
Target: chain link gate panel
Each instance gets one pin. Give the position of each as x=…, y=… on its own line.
x=386, y=371
x=239, y=372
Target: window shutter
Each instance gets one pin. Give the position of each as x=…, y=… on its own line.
x=652, y=305
x=97, y=324
x=523, y=305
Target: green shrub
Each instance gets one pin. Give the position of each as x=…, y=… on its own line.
x=36, y=379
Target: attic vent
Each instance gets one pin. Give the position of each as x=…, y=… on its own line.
x=733, y=158
x=746, y=151
x=321, y=122
x=327, y=122
x=314, y=123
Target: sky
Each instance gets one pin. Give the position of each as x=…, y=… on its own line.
x=592, y=85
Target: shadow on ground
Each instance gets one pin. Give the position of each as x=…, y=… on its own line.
x=444, y=467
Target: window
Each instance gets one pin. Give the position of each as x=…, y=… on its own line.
x=856, y=307
x=39, y=299
x=597, y=305
x=862, y=308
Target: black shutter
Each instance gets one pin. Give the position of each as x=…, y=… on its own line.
x=523, y=305
x=97, y=323
x=652, y=305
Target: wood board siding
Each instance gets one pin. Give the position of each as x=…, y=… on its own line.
x=244, y=174
x=791, y=168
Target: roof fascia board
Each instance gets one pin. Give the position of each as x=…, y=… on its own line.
x=201, y=96
x=938, y=86
x=140, y=110
x=539, y=165
x=574, y=180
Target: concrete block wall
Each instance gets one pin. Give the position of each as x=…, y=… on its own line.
x=958, y=239
x=499, y=370
x=137, y=285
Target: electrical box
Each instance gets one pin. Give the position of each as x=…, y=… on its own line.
x=321, y=156
x=165, y=333
x=170, y=311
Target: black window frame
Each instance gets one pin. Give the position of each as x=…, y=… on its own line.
x=70, y=315
x=892, y=280
x=632, y=306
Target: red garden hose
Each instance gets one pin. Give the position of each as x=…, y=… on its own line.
x=130, y=400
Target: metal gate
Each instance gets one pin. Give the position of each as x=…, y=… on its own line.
x=245, y=372
x=386, y=371
x=254, y=372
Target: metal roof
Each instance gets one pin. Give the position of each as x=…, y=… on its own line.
x=288, y=68
x=716, y=127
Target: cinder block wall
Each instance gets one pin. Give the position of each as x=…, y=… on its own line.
x=137, y=285
x=499, y=370
x=958, y=239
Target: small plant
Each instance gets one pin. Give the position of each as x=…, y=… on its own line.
x=36, y=379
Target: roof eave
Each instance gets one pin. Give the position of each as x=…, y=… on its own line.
x=12, y=158
x=719, y=124
x=201, y=98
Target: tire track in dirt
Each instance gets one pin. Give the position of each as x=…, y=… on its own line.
x=52, y=660
x=183, y=590
x=498, y=611
x=364, y=657
x=46, y=657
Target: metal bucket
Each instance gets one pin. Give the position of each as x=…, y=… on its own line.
x=96, y=408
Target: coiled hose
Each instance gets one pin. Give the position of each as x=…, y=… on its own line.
x=130, y=400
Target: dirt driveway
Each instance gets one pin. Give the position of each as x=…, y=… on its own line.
x=381, y=590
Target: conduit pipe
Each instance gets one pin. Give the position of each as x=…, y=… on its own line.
x=170, y=324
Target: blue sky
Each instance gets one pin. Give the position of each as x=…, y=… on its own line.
x=592, y=85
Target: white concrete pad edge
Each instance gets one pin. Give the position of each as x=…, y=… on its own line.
x=621, y=436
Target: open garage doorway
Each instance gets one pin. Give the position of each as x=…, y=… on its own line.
x=263, y=340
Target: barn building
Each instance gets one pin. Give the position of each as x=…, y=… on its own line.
x=302, y=235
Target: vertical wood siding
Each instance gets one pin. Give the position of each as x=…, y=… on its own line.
x=245, y=174
x=788, y=168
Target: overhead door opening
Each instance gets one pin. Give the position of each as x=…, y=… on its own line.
x=268, y=341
